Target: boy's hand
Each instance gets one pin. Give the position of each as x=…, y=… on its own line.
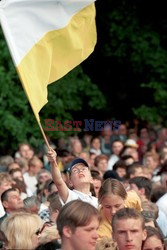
x=52, y=155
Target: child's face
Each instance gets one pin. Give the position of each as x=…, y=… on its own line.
x=80, y=174
x=111, y=204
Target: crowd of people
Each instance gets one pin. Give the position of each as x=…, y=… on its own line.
x=104, y=191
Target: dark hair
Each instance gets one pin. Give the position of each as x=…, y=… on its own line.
x=132, y=168
x=94, y=138
x=157, y=193
x=96, y=175
x=12, y=171
x=54, y=202
x=143, y=182
x=119, y=164
x=112, y=175
x=127, y=213
x=4, y=196
x=152, y=231
x=51, y=245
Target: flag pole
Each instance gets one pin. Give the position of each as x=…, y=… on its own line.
x=44, y=136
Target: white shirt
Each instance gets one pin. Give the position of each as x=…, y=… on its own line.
x=30, y=181
x=77, y=195
x=162, y=203
x=2, y=211
x=113, y=159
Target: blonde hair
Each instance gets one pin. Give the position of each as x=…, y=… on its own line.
x=19, y=228
x=5, y=177
x=48, y=234
x=112, y=186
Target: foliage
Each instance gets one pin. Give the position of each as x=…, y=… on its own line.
x=69, y=95
x=135, y=46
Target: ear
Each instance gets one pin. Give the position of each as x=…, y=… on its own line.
x=70, y=183
x=67, y=232
x=5, y=204
x=144, y=234
x=142, y=191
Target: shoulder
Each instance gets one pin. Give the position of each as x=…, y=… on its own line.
x=133, y=200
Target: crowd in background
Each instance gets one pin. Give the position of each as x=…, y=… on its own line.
x=129, y=163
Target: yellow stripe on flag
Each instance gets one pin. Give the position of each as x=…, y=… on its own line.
x=55, y=54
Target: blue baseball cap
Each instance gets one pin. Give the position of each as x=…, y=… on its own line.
x=78, y=161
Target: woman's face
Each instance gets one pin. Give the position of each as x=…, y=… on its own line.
x=153, y=243
x=102, y=165
x=111, y=204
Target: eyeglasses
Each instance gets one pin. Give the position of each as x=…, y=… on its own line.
x=77, y=170
x=46, y=224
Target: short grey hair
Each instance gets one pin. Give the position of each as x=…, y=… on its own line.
x=31, y=201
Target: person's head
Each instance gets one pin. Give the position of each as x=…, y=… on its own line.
x=21, y=230
x=77, y=224
x=5, y=161
x=13, y=165
x=150, y=213
x=142, y=186
x=120, y=168
x=154, y=239
x=32, y=204
x=35, y=165
x=76, y=147
x=128, y=159
x=117, y=147
x=5, y=182
x=95, y=143
x=128, y=229
x=130, y=150
x=151, y=160
x=111, y=197
x=24, y=149
x=133, y=170
x=157, y=192
x=84, y=155
x=92, y=157
x=54, y=206
x=16, y=174
x=79, y=173
x=122, y=129
x=97, y=181
x=43, y=175
x=11, y=200
x=101, y=163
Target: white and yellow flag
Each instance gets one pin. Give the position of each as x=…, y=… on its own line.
x=47, y=39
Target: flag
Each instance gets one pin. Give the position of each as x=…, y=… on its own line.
x=47, y=39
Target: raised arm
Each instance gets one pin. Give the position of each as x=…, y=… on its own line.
x=56, y=175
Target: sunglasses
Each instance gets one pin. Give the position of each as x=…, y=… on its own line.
x=46, y=224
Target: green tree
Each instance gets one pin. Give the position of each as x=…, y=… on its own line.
x=134, y=52
x=72, y=94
